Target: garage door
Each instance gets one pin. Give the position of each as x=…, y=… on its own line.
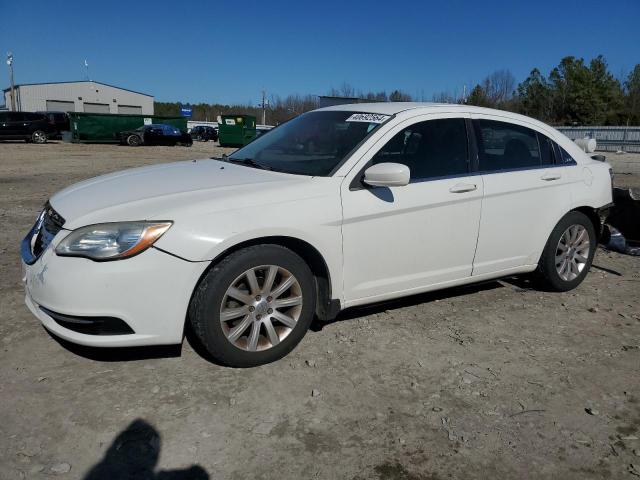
x=96, y=107
x=130, y=109
x=60, y=106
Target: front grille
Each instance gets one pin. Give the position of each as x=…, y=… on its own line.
x=51, y=224
x=47, y=226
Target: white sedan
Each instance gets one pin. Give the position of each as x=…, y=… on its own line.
x=342, y=206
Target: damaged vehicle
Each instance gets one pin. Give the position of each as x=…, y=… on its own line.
x=340, y=207
x=156, y=134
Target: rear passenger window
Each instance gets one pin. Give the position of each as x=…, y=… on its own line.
x=505, y=146
x=431, y=149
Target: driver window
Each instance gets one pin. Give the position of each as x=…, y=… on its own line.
x=431, y=149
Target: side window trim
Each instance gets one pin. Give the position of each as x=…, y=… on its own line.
x=472, y=149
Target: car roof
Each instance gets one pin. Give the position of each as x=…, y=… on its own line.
x=393, y=108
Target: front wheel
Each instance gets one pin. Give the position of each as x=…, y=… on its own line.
x=254, y=306
x=568, y=254
x=39, y=136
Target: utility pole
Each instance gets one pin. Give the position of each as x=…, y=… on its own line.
x=13, y=89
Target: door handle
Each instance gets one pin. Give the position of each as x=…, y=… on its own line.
x=550, y=177
x=463, y=187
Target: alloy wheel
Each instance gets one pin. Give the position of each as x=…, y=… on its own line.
x=261, y=307
x=39, y=137
x=572, y=252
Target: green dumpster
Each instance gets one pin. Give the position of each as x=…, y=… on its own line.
x=236, y=130
x=106, y=127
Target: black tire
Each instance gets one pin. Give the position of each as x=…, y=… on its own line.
x=547, y=275
x=204, y=309
x=198, y=138
x=39, y=136
x=134, y=141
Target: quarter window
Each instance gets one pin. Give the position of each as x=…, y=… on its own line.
x=505, y=146
x=431, y=149
x=564, y=158
x=546, y=150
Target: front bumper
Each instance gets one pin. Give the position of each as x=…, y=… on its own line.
x=149, y=292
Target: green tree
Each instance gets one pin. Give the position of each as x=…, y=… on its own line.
x=571, y=91
x=399, y=96
x=534, y=96
x=587, y=95
x=478, y=97
x=632, y=97
x=607, y=93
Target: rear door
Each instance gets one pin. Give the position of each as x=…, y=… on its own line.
x=526, y=192
x=152, y=135
x=172, y=134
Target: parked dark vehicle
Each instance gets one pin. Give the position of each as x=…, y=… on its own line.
x=27, y=126
x=155, y=134
x=59, y=122
x=261, y=131
x=204, y=133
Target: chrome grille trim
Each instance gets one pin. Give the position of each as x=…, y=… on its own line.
x=47, y=226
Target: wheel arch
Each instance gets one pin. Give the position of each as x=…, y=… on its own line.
x=326, y=306
x=594, y=215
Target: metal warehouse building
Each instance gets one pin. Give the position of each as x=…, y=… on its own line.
x=80, y=96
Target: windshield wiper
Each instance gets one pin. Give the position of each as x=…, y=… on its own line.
x=249, y=162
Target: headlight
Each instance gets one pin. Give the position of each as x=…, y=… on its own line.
x=111, y=241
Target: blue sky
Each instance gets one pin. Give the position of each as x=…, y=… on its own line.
x=228, y=52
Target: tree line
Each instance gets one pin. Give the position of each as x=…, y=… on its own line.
x=574, y=92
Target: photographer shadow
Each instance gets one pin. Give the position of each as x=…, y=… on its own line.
x=134, y=454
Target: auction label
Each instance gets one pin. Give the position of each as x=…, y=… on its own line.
x=368, y=117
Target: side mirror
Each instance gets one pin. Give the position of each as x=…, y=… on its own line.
x=387, y=175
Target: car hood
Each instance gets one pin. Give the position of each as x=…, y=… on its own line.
x=163, y=191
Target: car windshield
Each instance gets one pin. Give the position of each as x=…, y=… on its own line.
x=311, y=144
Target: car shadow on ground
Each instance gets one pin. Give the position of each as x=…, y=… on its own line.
x=134, y=454
x=119, y=354
x=127, y=354
x=449, y=293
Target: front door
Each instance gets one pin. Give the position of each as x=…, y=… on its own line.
x=402, y=240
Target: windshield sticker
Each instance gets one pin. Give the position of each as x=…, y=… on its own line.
x=367, y=117
x=229, y=121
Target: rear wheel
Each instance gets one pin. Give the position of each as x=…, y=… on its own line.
x=134, y=141
x=254, y=306
x=39, y=136
x=568, y=254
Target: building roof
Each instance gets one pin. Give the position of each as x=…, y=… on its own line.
x=78, y=81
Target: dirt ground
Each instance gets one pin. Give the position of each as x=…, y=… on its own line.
x=492, y=381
